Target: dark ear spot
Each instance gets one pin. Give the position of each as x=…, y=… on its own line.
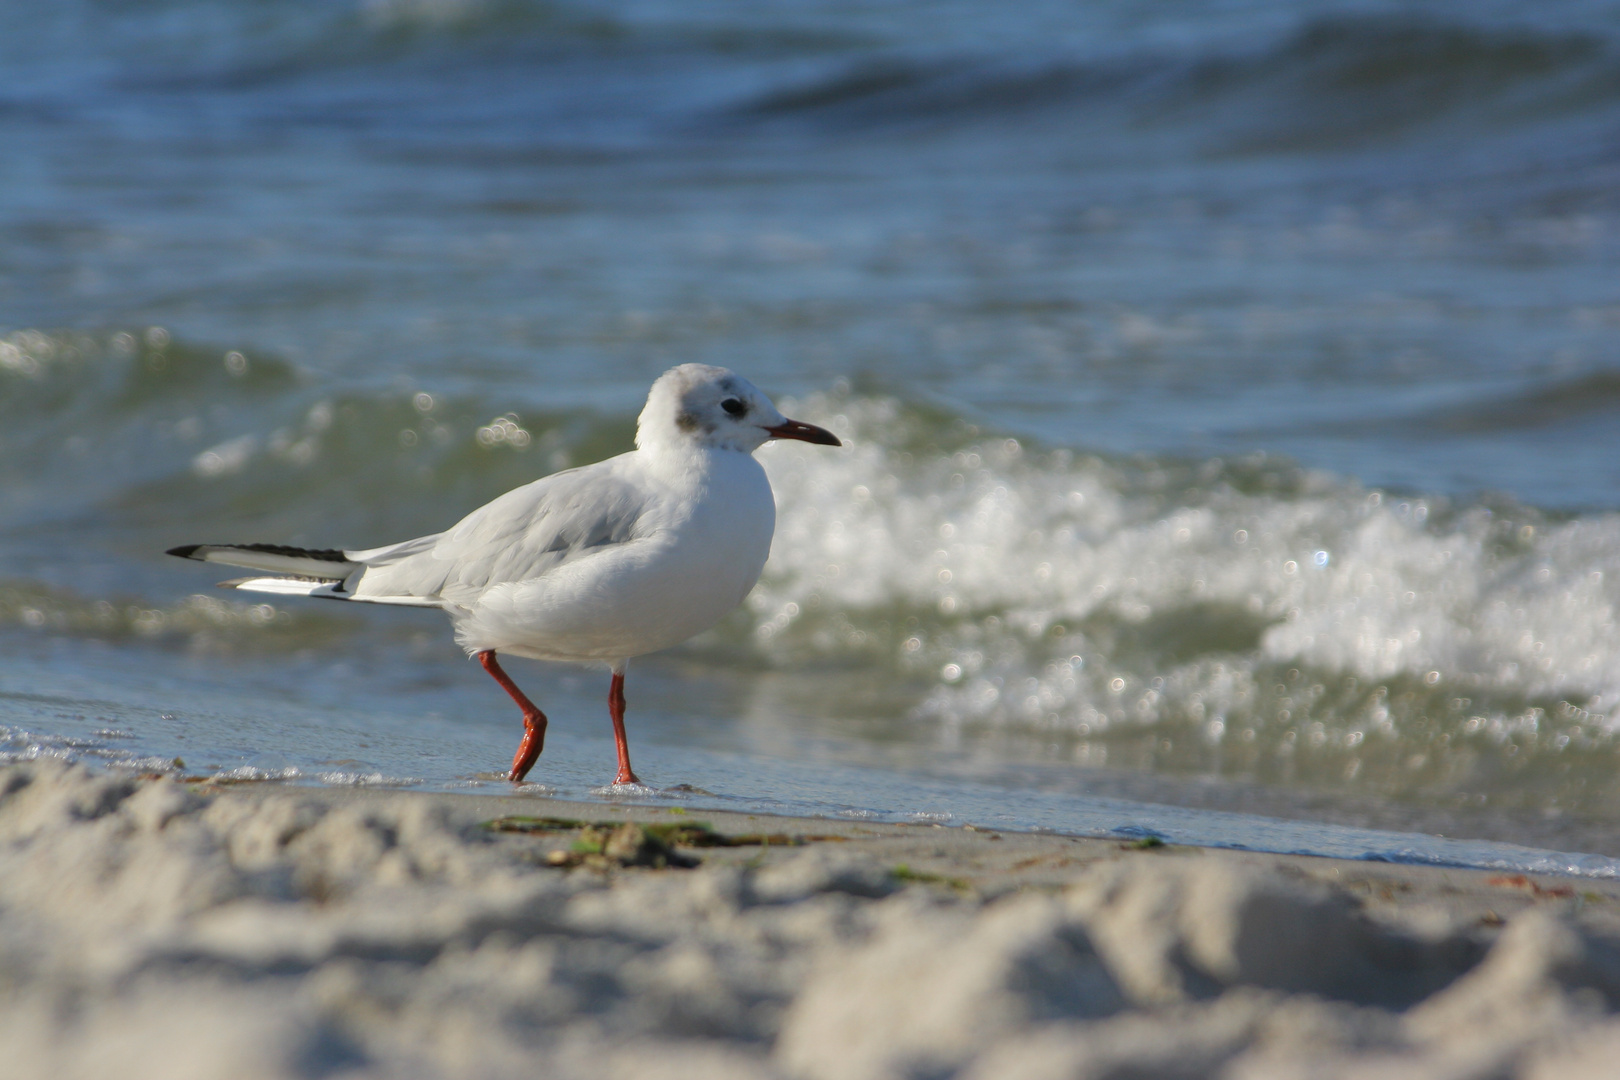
x=687, y=420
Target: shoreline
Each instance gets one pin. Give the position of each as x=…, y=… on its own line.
x=295, y=932
x=1177, y=824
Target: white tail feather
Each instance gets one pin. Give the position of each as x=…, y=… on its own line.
x=330, y=590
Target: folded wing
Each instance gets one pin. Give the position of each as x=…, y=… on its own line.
x=520, y=536
x=535, y=529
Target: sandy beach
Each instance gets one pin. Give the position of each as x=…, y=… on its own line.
x=155, y=928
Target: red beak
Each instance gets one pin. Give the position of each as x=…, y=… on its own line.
x=794, y=429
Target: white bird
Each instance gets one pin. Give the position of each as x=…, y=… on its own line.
x=596, y=564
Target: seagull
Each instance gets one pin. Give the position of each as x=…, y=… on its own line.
x=598, y=564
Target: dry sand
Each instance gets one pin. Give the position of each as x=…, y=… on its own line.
x=150, y=928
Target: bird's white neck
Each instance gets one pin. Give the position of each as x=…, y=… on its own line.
x=686, y=462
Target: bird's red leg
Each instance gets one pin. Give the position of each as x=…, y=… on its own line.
x=616, y=710
x=534, y=721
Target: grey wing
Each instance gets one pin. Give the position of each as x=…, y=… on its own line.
x=517, y=537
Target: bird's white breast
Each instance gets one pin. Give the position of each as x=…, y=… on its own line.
x=700, y=547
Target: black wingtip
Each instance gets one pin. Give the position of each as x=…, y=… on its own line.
x=186, y=552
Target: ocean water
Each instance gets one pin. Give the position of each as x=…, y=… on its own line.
x=1231, y=395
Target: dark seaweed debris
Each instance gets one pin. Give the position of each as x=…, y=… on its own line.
x=629, y=843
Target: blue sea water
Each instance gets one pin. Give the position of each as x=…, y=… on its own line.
x=1230, y=391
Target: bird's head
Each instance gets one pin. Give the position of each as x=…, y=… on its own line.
x=711, y=406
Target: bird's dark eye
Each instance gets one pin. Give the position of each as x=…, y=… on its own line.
x=733, y=406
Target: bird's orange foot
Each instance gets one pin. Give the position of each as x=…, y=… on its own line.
x=528, y=751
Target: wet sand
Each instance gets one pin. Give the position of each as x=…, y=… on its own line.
x=153, y=928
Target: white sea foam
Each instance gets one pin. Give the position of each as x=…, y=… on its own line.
x=244, y=774
x=346, y=778
x=1017, y=581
